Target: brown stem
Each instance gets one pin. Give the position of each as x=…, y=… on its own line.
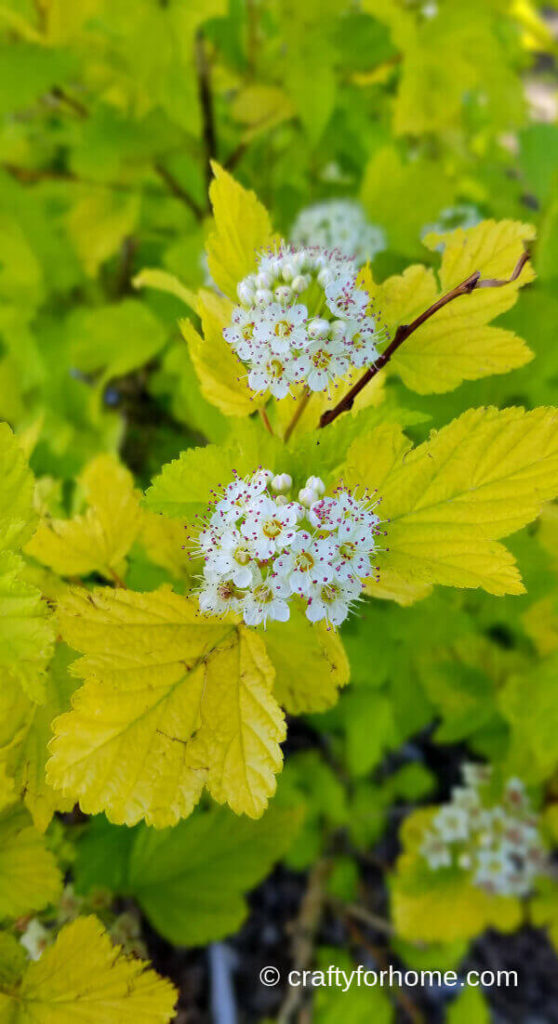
x=74, y=104
x=265, y=421
x=383, y=960
x=206, y=103
x=301, y=406
x=404, y=331
x=118, y=581
x=304, y=934
x=177, y=190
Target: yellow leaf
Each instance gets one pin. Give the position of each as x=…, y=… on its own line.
x=548, y=532
x=448, y=501
x=99, y=540
x=172, y=701
x=23, y=744
x=310, y=664
x=223, y=379
x=242, y=228
x=29, y=878
x=84, y=977
x=26, y=634
x=162, y=281
x=456, y=344
x=441, y=905
x=16, y=494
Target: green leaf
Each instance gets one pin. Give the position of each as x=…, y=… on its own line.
x=470, y=1005
x=190, y=881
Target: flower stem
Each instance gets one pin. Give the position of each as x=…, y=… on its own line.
x=265, y=421
x=303, y=402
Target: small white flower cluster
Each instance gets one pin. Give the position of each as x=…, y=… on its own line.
x=499, y=844
x=339, y=224
x=261, y=549
x=302, y=319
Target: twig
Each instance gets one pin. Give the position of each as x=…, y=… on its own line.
x=364, y=915
x=206, y=103
x=265, y=421
x=404, y=331
x=304, y=934
x=63, y=97
x=177, y=190
x=305, y=398
x=118, y=581
x=405, y=1002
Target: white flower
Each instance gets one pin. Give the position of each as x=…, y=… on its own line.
x=339, y=224
x=452, y=823
x=266, y=600
x=332, y=601
x=307, y=564
x=220, y=596
x=435, y=852
x=231, y=556
x=269, y=527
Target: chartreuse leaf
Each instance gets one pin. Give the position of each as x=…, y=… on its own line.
x=242, y=228
x=26, y=637
x=99, y=222
x=529, y=703
x=26, y=634
x=83, y=976
x=163, y=281
x=99, y=540
x=24, y=744
x=544, y=908
x=171, y=702
x=183, y=487
x=360, y=1004
x=190, y=880
x=470, y=1005
x=447, y=501
x=457, y=343
x=310, y=664
x=29, y=877
x=17, y=518
x=441, y=905
x=222, y=377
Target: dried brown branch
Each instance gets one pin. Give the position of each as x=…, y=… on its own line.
x=404, y=331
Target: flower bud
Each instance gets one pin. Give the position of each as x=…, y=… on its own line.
x=264, y=296
x=284, y=294
x=318, y=328
x=281, y=482
x=307, y=496
x=315, y=483
x=245, y=293
x=299, y=283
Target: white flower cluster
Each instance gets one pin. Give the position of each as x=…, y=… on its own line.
x=498, y=844
x=339, y=224
x=302, y=319
x=261, y=549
